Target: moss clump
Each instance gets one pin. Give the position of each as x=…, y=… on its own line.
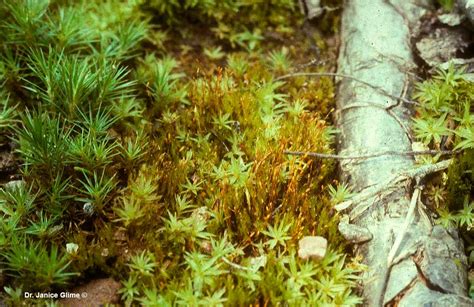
x=461, y=179
x=226, y=18
x=163, y=168
x=444, y=121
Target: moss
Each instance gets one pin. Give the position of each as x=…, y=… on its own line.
x=161, y=161
x=461, y=180
x=444, y=121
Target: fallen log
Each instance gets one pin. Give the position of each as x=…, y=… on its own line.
x=411, y=261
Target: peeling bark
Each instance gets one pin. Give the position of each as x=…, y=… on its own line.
x=429, y=264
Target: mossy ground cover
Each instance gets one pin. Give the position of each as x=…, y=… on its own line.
x=146, y=142
x=444, y=121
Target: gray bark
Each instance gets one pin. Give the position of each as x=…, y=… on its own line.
x=467, y=6
x=430, y=265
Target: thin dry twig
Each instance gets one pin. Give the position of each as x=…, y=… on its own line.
x=418, y=172
x=235, y=265
x=396, y=245
x=374, y=155
x=332, y=74
x=408, y=219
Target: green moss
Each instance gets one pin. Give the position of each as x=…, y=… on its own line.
x=461, y=179
x=164, y=167
x=444, y=121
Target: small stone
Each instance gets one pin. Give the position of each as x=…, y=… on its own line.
x=95, y=293
x=451, y=19
x=88, y=208
x=72, y=248
x=14, y=184
x=313, y=247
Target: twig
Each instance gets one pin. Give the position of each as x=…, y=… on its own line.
x=330, y=9
x=396, y=245
x=310, y=63
x=234, y=265
x=411, y=212
x=371, y=191
x=374, y=155
x=332, y=74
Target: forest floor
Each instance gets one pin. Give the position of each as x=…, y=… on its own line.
x=143, y=154
x=146, y=154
